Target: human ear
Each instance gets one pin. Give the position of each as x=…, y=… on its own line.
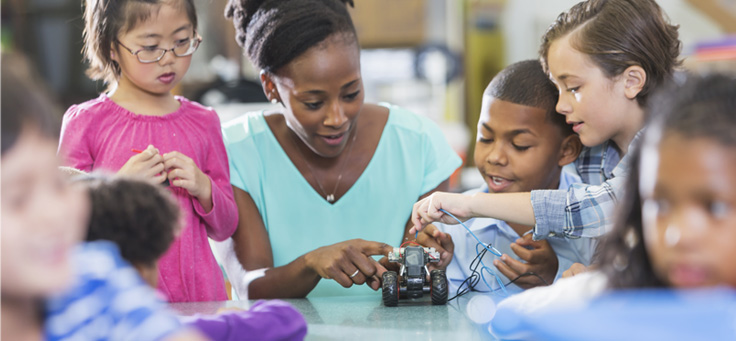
x=570, y=148
x=634, y=78
x=269, y=87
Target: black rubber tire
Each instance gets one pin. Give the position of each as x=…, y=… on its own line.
x=439, y=287
x=390, y=288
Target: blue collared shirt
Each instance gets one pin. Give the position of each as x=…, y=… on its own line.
x=501, y=235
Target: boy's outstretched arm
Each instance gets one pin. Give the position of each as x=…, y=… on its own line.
x=510, y=207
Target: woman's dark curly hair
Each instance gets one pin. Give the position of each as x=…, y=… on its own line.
x=698, y=107
x=141, y=218
x=275, y=32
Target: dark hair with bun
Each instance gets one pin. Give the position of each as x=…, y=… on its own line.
x=275, y=32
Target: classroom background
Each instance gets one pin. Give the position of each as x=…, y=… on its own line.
x=433, y=57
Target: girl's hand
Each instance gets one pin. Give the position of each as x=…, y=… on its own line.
x=574, y=270
x=183, y=172
x=340, y=261
x=427, y=210
x=540, y=259
x=147, y=165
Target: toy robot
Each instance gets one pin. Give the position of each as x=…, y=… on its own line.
x=411, y=281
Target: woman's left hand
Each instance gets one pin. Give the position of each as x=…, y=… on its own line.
x=183, y=172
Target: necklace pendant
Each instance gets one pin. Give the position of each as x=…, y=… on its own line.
x=330, y=198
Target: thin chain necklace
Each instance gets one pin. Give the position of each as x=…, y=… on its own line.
x=331, y=196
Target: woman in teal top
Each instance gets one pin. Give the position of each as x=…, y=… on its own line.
x=326, y=182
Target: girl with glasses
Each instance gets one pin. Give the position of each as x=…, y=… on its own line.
x=141, y=49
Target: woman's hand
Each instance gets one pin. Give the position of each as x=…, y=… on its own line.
x=427, y=210
x=349, y=262
x=540, y=259
x=147, y=165
x=183, y=172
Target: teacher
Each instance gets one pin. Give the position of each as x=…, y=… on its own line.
x=326, y=182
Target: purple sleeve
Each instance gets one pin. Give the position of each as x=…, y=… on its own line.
x=222, y=220
x=75, y=149
x=265, y=320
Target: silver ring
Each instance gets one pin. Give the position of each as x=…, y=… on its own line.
x=355, y=273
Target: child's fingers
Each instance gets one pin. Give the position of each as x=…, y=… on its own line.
x=444, y=239
x=575, y=269
x=386, y=265
x=157, y=179
x=172, y=154
x=183, y=183
x=526, y=240
x=424, y=219
x=505, y=269
x=427, y=240
x=521, y=251
x=517, y=266
x=147, y=154
x=416, y=216
x=155, y=170
x=434, y=204
x=179, y=156
x=178, y=173
x=174, y=162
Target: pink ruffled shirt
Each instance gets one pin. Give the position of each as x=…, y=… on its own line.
x=99, y=135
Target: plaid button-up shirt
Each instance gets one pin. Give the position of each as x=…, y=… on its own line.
x=584, y=209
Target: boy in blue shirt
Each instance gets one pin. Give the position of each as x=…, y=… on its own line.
x=143, y=220
x=522, y=145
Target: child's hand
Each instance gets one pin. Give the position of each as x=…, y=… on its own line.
x=442, y=242
x=427, y=210
x=575, y=269
x=147, y=165
x=541, y=260
x=183, y=172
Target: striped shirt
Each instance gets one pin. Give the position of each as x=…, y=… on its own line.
x=107, y=301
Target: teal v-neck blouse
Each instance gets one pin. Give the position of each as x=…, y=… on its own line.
x=412, y=158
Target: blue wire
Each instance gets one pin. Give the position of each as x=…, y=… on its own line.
x=488, y=269
x=490, y=249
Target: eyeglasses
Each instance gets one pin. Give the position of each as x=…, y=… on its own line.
x=182, y=48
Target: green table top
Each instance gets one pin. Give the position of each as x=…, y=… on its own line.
x=365, y=317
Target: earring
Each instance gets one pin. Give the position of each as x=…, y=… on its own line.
x=274, y=101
